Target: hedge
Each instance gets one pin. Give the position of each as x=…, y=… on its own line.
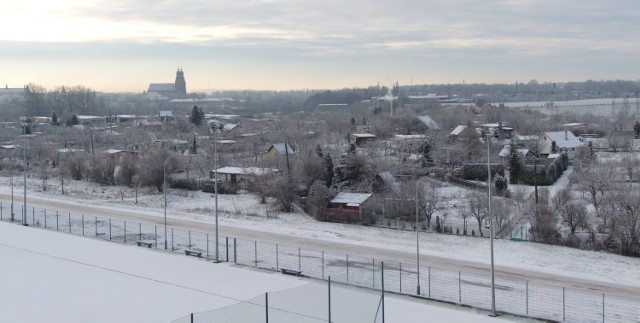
x=478, y=171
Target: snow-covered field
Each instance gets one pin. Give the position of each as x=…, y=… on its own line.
x=54, y=277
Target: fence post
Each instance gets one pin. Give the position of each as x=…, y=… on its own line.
x=33, y=215
x=347, y=268
x=109, y=229
x=255, y=252
x=429, y=281
x=69, y=222
x=235, y=251
x=564, y=318
x=329, y=294
x=299, y=260
x=140, y=231
x=323, y=264
x=96, y=222
x=602, y=307
x=207, y=245
x=382, y=287
x=277, y=258
x=459, y=287
x=189, y=244
x=526, y=299
x=45, y=217
x=171, y=239
x=0, y=211
x=226, y=246
x=191, y=317
x=82, y=225
x=155, y=235
x=57, y=221
x=266, y=306
x=125, y=232
x=400, y=275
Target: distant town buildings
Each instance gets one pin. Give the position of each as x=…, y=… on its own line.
x=178, y=89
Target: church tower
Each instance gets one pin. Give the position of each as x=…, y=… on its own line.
x=181, y=85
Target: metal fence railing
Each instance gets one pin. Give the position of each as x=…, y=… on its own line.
x=514, y=296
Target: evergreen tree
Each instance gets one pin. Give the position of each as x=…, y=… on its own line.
x=197, y=116
x=319, y=151
x=327, y=163
x=515, y=165
x=194, y=146
x=54, y=119
x=636, y=129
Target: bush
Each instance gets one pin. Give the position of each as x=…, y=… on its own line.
x=500, y=185
x=478, y=172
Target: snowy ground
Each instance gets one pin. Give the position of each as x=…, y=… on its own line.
x=244, y=211
x=54, y=277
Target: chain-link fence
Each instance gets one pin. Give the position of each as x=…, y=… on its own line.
x=514, y=296
x=311, y=303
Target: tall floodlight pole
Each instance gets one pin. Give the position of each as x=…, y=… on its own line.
x=215, y=184
x=417, y=235
x=493, y=286
x=24, y=156
x=11, y=180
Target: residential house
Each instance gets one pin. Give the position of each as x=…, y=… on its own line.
x=360, y=139
x=461, y=132
x=429, y=123
x=166, y=116
x=117, y=155
x=281, y=149
x=559, y=142
x=348, y=207
x=239, y=174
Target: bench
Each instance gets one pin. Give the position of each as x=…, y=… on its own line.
x=144, y=244
x=291, y=272
x=193, y=253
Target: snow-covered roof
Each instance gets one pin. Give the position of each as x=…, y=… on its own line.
x=70, y=150
x=429, y=122
x=553, y=156
x=8, y=146
x=574, y=125
x=166, y=113
x=506, y=150
x=230, y=126
x=351, y=199
x=527, y=137
x=457, y=130
x=225, y=141
x=564, y=139
x=280, y=148
x=363, y=135
x=114, y=151
x=247, y=170
x=410, y=137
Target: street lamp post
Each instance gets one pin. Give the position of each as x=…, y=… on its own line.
x=24, y=156
x=417, y=235
x=215, y=181
x=11, y=180
x=493, y=286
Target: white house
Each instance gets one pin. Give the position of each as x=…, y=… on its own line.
x=563, y=141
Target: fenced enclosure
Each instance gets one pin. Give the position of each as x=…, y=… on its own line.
x=311, y=303
x=514, y=296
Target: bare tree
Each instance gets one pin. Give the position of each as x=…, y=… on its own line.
x=477, y=207
x=631, y=164
x=595, y=180
x=430, y=201
x=626, y=222
x=574, y=214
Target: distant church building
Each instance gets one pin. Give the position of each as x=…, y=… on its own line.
x=171, y=90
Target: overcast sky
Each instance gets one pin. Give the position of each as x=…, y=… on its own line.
x=123, y=45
